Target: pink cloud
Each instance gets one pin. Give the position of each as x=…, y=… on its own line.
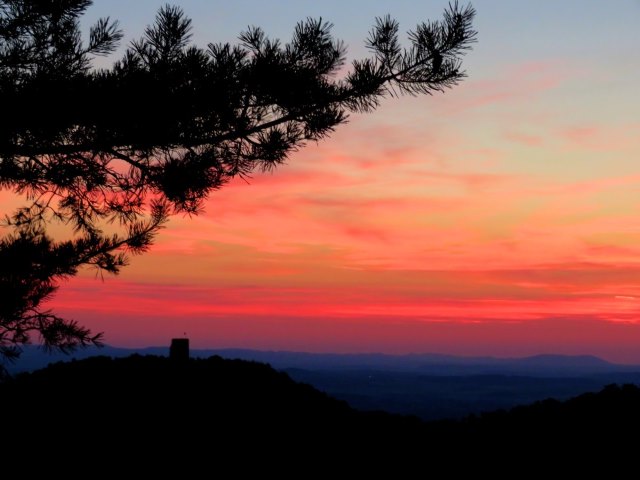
x=357, y=318
x=526, y=294
x=601, y=138
x=524, y=139
x=515, y=84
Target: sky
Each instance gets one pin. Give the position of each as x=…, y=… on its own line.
x=500, y=218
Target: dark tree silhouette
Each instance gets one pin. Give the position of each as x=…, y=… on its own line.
x=111, y=153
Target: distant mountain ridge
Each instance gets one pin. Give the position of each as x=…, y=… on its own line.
x=430, y=386
x=544, y=365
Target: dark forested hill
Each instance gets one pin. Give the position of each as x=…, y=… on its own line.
x=151, y=411
x=152, y=408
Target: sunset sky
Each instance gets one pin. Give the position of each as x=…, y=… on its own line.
x=500, y=218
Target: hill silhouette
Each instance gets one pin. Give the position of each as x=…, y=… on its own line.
x=186, y=411
x=147, y=409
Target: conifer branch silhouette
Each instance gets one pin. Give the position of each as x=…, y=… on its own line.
x=122, y=149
